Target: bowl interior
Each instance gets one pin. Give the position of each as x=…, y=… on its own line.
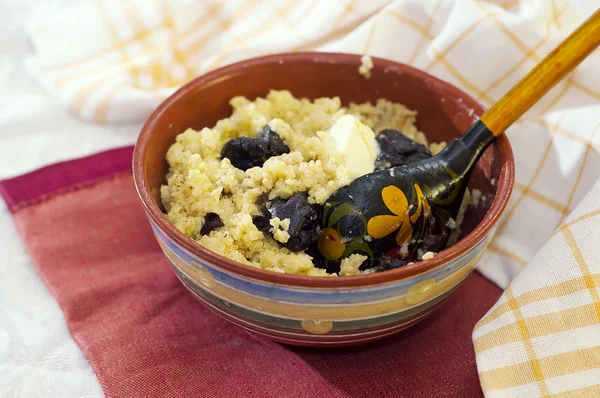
x=444, y=112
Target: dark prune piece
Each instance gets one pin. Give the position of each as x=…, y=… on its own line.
x=396, y=149
x=333, y=267
x=304, y=220
x=387, y=263
x=212, y=221
x=434, y=243
x=318, y=259
x=434, y=240
x=274, y=145
x=262, y=223
x=245, y=152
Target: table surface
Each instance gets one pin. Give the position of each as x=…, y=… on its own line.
x=38, y=357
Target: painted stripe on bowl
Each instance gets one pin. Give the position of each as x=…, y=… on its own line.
x=313, y=337
x=313, y=340
x=326, y=296
x=311, y=310
x=287, y=323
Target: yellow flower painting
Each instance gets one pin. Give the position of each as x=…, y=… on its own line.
x=401, y=220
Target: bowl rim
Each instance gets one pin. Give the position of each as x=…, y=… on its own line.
x=503, y=191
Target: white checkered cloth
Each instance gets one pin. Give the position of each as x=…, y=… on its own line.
x=114, y=61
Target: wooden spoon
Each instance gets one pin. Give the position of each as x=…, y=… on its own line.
x=395, y=209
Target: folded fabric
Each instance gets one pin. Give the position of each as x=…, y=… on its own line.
x=114, y=61
x=542, y=338
x=145, y=335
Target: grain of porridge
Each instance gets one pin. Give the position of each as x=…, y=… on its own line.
x=366, y=65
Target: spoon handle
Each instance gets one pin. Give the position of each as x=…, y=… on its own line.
x=544, y=76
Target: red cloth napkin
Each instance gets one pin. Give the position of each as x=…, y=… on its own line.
x=146, y=336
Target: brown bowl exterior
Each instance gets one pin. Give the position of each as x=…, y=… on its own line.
x=301, y=309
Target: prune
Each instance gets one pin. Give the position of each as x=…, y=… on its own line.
x=319, y=261
x=387, y=263
x=274, y=145
x=434, y=240
x=245, y=152
x=304, y=220
x=262, y=222
x=396, y=149
x=212, y=221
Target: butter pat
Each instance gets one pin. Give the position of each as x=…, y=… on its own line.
x=355, y=142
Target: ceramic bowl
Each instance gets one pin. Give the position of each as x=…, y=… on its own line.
x=321, y=311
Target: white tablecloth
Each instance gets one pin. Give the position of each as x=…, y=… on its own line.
x=38, y=357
